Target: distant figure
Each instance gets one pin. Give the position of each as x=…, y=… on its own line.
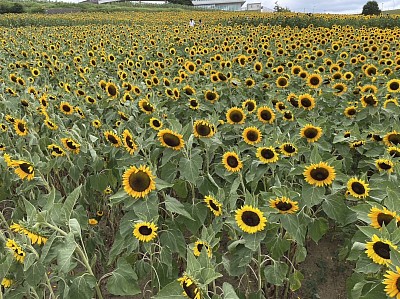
x=200, y=22
x=191, y=23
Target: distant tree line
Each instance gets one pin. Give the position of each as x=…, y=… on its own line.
x=11, y=8
x=182, y=2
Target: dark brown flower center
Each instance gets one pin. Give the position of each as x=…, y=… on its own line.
x=66, y=108
x=358, y=188
x=384, y=166
x=267, y=153
x=193, y=103
x=282, y=82
x=211, y=96
x=384, y=219
x=250, y=218
x=305, y=102
x=21, y=127
x=156, y=123
x=319, y=174
x=394, y=153
x=112, y=139
x=232, y=162
x=394, y=138
x=236, y=116
x=370, y=100
x=250, y=106
x=139, y=181
x=145, y=230
x=148, y=107
x=71, y=144
x=190, y=290
x=266, y=115
x=382, y=249
x=289, y=148
x=213, y=205
x=203, y=130
x=314, y=81
x=171, y=140
x=351, y=111
x=252, y=135
x=311, y=133
x=284, y=206
x=26, y=167
x=394, y=85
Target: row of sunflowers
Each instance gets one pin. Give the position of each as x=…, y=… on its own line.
x=142, y=156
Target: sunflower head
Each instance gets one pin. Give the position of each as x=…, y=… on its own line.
x=357, y=188
x=320, y=174
x=379, y=250
x=249, y=105
x=250, y=219
x=392, y=138
x=288, y=149
x=202, y=128
x=284, y=205
x=138, y=182
x=214, y=205
x=171, y=139
x=155, y=123
x=265, y=115
x=235, y=116
x=384, y=165
x=231, y=162
x=190, y=288
x=145, y=231
x=380, y=217
x=201, y=245
x=252, y=135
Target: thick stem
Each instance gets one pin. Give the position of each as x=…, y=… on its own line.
x=49, y=285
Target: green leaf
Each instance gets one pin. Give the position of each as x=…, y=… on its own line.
x=297, y=229
x=74, y=227
x=35, y=274
x=46, y=247
x=190, y=169
x=276, y=273
x=193, y=265
x=161, y=184
x=252, y=241
x=295, y=279
x=175, y=206
x=172, y=290
x=336, y=209
x=118, y=197
x=70, y=203
x=312, y=195
x=315, y=157
x=277, y=245
x=392, y=202
x=208, y=275
x=30, y=210
x=317, y=228
x=229, y=291
x=181, y=189
x=123, y=280
x=65, y=253
x=395, y=258
x=82, y=287
x=5, y=263
x=29, y=260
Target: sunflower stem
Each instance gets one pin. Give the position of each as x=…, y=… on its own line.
x=52, y=295
x=259, y=260
x=46, y=184
x=242, y=183
x=4, y=220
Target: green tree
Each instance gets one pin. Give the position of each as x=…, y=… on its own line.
x=182, y=2
x=278, y=8
x=371, y=8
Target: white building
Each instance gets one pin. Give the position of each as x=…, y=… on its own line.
x=232, y=5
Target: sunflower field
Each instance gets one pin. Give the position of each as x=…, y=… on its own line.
x=144, y=158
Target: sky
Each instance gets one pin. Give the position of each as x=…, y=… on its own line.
x=322, y=6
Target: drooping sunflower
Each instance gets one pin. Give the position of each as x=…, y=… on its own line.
x=369, y=100
x=171, y=139
x=379, y=250
x=199, y=246
x=24, y=169
x=393, y=85
x=381, y=217
x=292, y=99
x=350, y=111
x=357, y=188
x=145, y=231
x=311, y=133
x=138, y=182
x=19, y=253
x=392, y=282
x=252, y=135
x=394, y=151
x=35, y=237
x=190, y=288
x=267, y=154
x=265, y=115
x=306, y=101
x=6, y=282
x=231, y=162
x=288, y=149
x=339, y=88
x=113, y=138
x=214, y=205
x=320, y=174
x=384, y=165
x=128, y=141
x=145, y=106
x=392, y=138
x=66, y=108
x=249, y=105
x=20, y=127
x=284, y=205
x=111, y=90
x=71, y=145
x=357, y=143
x=155, y=123
x=235, y=116
x=314, y=80
x=202, y=128
x=250, y=219
x=56, y=150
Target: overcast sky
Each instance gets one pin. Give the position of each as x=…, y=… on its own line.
x=322, y=6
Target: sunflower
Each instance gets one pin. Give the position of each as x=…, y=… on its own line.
x=190, y=288
x=6, y=282
x=19, y=254
x=20, y=127
x=350, y=111
x=96, y=123
x=145, y=231
x=171, y=139
x=357, y=188
x=146, y=106
x=202, y=128
x=282, y=82
x=320, y=174
x=66, y=108
x=384, y=165
x=56, y=150
x=155, y=123
x=252, y=135
x=379, y=250
x=10, y=119
x=287, y=115
x=284, y=205
x=311, y=133
x=33, y=236
x=389, y=102
x=198, y=247
x=138, y=182
x=339, y=88
x=314, y=80
x=231, y=162
x=369, y=100
x=111, y=90
x=280, y=106
x=214, y=205
x=392, y=138
x=394, y=151
x=267, y=154
x=71, y=145
x=50, y=124
x=288, y=149
x=392, y=282
x=236, y=116
x=24, y=169
x=250, y=220
x=306, y=101
x=265, y=115
x=128, y=141
x=93, y=221
x=3, y=128
x=193, y=104
x=249, y=105
x=211, y=96
x=113, y=138
x=357, y=143
x=393, y=85
x=381, y=217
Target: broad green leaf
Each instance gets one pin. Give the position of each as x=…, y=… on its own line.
x=82, y=287
x=392, y=202
x=161, y=184
x=171, y=291
x=336, y=209
x=74, y=227
x=175, y=206
x=70, y=202
x=193, y=265
x=46, y=247
x=29, y=260
x=118, y=197
x=190, y=169
x=123, y=280
x=35, y=274
x=317, y=228
x=30, y=210
x=297, y=229
x=276, y=245
x=5, y=263
x=295, y=279
x=315, y=157
x=312, y=195
x=276, y=273
x=229, y=291
x=208, y=275
x=253, y=241
x=65, y=253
